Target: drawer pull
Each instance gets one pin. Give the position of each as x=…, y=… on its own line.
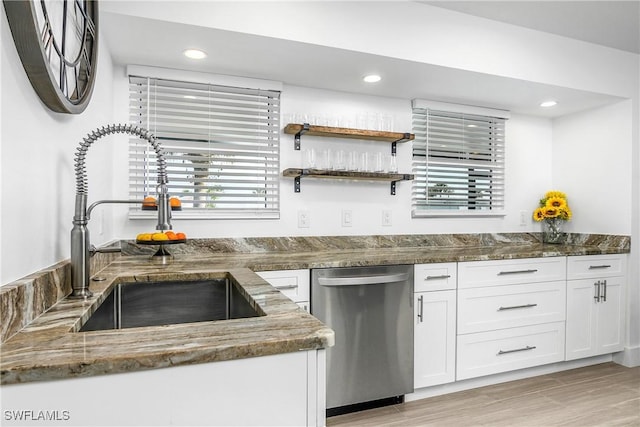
x=443, y=276
x=513, y=307
x=527, y=348
x=595, y=267
x=420, y=310
x=285, y=287
x=502, y=273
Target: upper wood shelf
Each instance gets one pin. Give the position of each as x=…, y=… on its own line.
x=336, y=132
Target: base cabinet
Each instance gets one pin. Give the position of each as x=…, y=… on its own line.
x=511, y=315
x=434, y=338
x=595, y=305
x=280, y=390
x=594, y=320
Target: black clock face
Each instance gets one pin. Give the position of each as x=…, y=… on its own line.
x=57, y=41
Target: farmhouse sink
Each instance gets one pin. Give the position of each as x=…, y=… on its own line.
x=138, y=304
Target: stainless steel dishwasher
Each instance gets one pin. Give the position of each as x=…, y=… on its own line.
x=370, y=309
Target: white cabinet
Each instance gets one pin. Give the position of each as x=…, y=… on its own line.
x=292, y=283
x=511, y=315
x=434, y=324
x=595, y=305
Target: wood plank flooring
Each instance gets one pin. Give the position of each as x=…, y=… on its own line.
x=601, y=395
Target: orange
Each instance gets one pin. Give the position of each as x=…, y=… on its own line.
x=181, y=236
x=159, y=236
x=149, y=201
x=171, y=235
x=175, y=202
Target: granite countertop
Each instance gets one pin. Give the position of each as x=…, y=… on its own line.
x=50, y=347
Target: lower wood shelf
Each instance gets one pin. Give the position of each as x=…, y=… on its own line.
x=392, y=178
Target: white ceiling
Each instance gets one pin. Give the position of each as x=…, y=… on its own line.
x=135, y=40
x=608, y=23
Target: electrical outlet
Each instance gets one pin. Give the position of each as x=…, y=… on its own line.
x=304, y=219
x=523, y=218
x=386, y=218
x=347, y=218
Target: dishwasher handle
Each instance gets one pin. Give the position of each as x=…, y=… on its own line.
x=363, y=280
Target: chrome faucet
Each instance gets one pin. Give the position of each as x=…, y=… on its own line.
x=81, y=249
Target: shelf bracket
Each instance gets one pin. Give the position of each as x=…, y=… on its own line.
x=393, y=188
x=296, y=139
x=296, y=184
x=393, y=148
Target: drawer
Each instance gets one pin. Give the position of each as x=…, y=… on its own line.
x=512, y=271
x=500, y=307
x=487, y=353
x=595, y=266
x=434, y=277
x=292, y=283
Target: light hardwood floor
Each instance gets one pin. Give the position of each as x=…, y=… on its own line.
x=601, y=395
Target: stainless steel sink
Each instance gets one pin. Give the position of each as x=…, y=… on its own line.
x=132, y=305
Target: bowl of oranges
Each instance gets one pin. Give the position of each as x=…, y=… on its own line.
x=149, y=203
x=161, y=238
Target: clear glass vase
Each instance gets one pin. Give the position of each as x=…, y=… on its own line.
x=552, y=231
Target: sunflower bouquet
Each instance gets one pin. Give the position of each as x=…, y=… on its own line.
x=553, y=210
x=553, y=206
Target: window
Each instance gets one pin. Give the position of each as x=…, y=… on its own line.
x=221, y=145
x=458, y=160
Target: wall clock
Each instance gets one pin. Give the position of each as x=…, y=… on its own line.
x=57, y=41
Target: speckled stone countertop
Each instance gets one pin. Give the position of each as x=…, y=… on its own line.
x=50, y=347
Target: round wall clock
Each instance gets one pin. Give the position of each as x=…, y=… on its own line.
x=57, y=41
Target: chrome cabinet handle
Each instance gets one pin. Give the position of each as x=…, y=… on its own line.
x=444, y=276
x=421, y=308
x=595, y=267
x=597, y=291
x=604, y=293
x=286, y=287
x=516, y=350
x=502, y=273
x=513, y=307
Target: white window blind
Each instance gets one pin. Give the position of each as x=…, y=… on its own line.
x=221, y=145
x=458, y=162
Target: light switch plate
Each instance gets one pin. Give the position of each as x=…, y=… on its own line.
x=304, y=219
x=347, y=218
x=386, y=218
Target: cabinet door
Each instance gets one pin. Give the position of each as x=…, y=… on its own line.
x=581, y=318
x=595, y=317
x=610, y=316
x=434, y=338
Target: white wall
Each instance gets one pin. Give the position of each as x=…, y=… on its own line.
x=592, y=164
x=37, y=175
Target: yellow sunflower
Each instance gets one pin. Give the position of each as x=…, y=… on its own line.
x=551, y=194
x=550, y=212
x=556, y=202
x=565, y=213
x=538, y=214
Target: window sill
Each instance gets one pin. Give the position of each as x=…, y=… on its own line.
x=200, y=215
x=456, y=214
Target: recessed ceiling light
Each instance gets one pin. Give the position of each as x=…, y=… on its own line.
x=372, y=78
x=547, y=104
x=195, y=54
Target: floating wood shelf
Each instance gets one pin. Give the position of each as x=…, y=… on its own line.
x=335, y=132
x=334, y=174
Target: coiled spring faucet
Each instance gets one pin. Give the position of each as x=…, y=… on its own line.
x=80, y=245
